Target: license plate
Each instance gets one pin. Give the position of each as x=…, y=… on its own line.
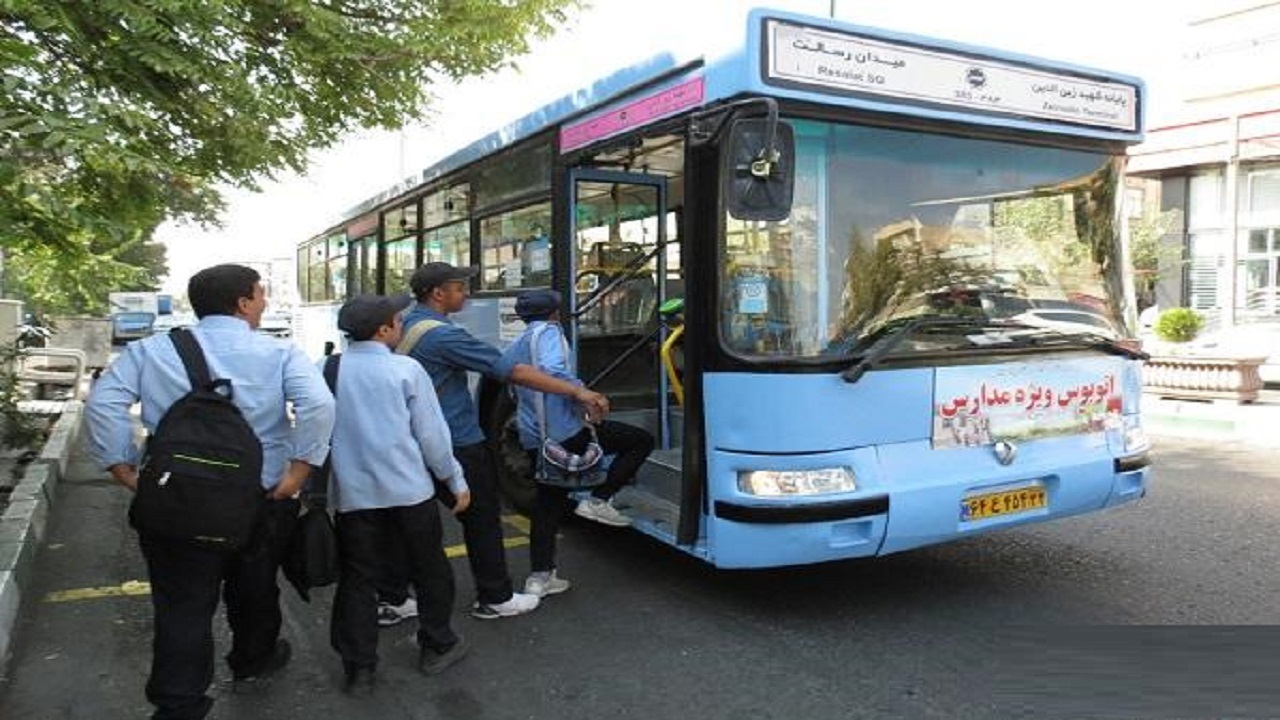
x=1003, y=503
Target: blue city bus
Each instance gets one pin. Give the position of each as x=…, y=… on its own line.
x=867, y=289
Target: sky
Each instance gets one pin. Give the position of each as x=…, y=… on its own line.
x=1129, y=36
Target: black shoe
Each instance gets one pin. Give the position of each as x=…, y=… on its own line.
x=247, y=684
x=360, y=681
x=432, y=662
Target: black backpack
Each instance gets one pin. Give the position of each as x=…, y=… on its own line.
x=201, y=477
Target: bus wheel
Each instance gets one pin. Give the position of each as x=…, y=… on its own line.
x=515, y=476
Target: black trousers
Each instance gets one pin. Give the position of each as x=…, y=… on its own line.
x=186, y=581
x=481, y=531
x=362, y=535
x=628, y=444
x=548, y=509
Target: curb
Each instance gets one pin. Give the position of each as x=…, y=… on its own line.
x=22, y=527
x=1252, y=424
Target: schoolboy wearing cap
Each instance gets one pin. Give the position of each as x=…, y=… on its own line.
x=434, y=274
x=540, y=310
x=389, y=438
x=448, y=352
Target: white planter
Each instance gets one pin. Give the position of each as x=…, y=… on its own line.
x=1203, y=377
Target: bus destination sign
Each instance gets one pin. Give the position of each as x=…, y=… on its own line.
x=827, y=60
x=648, y=108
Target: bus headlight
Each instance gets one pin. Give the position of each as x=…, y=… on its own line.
x=782, y=483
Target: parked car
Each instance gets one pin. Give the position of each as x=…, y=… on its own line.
x=1068, y=320
x=126, y=326
x=276, y=324
x=165, y=323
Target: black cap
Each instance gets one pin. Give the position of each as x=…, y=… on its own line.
x=361, y=316
x=435, y=274
x=537, y=303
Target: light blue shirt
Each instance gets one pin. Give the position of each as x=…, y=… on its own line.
x=265, y=373
x=390, y=431
x=564, y=415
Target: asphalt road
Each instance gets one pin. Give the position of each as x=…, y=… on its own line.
x=1167, y=608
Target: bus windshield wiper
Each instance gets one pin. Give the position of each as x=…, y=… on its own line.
x=1091, y=340
x=895, y=335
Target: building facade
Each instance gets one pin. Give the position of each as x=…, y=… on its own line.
x=1214, y=164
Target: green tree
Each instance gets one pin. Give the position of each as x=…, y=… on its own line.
x=119, y=114
x=1149, y=252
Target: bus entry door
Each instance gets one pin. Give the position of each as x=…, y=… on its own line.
x=626, y=269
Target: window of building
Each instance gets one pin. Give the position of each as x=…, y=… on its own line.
x=1134, y=199
x=1262, y=198
x=1206, y=201
x=1258, y=278
x=1206, y=262
x=1207, y=247
x=1258, y=271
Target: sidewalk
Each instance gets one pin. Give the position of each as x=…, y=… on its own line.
x=25, y=517
x=1257, y=423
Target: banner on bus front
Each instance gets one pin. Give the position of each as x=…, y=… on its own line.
x=979, y=405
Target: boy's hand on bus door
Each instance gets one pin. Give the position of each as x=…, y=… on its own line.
x=595, y=404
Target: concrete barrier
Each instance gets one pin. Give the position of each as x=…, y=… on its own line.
x=23, y=524
x=57, y=449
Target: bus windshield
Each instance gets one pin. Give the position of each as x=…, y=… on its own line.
x=890, y=224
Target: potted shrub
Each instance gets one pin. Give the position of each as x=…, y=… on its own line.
x=1179, y=325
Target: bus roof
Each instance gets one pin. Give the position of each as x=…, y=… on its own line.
x=788, y=55
x=598, y=93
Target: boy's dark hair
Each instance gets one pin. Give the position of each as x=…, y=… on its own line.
x=217, y=290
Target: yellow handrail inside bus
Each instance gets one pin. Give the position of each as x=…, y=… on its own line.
x=667, y=346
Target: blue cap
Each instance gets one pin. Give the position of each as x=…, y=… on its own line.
x=361, y=316
x=537, y=303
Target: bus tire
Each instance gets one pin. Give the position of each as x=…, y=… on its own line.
x=515, y=476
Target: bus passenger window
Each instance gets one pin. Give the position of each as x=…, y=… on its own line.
x=515, y=249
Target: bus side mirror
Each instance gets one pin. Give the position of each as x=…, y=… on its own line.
x=759, y=172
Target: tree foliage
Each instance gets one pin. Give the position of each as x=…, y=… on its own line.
x=895, y=275
x=1152, y=252
x=119, y=114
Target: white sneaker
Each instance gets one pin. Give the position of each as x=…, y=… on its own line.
x=518, y=604
x=389, y=614
x=547, y=582
x=601, y=511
